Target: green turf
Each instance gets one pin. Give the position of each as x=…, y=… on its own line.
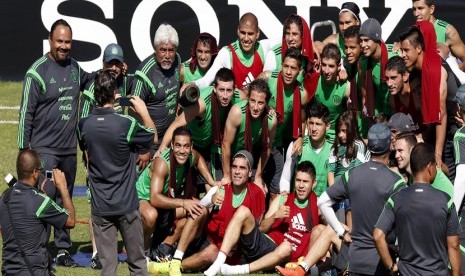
x=10, y=95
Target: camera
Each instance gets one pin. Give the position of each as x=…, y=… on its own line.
x=189, y=96
x=123, y=101
x=10, y=179
x=48, y=175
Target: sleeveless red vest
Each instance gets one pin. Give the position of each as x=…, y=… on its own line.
x=241, y=71
x=296, y=228
x=254, y=200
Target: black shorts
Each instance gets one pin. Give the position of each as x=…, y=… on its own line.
x=273, y=170
x=164, y=226
x=462, y=237
x=256, y=245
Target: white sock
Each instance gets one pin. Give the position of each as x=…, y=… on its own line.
x=234, y=269
x=94, y=253
x=215, y=267
x=178, y=254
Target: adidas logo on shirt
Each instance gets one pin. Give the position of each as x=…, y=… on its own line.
x=160, y=85
x=298, y=222
x=52, y=81
x=248, y=79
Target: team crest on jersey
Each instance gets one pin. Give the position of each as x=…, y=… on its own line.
x=73, y=76
x=337, y=100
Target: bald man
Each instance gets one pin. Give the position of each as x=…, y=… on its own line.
x=245, y=56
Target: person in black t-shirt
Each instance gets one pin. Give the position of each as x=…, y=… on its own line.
x=31, y=214
x=425, y=221
x=111, y=141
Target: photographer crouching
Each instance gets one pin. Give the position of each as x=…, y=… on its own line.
x=25, y=214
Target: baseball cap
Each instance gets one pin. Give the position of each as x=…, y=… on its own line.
x=113, y=51
x=379, y=139
x=402, y=122
x=371, y=29
x=460, y=96
x=247, y=155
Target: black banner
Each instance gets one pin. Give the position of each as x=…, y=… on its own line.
x=132, y=24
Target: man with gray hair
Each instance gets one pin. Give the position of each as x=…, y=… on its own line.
x=157, y=80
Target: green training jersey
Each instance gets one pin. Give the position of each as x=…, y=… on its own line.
x=256, y=129
x=191, y=76
x=284, y=130
x=333, y=96
x=201, y=128
x=440, y=28
x=319, y=159
x=247, y=59
x=143, y=182
x=279, y=60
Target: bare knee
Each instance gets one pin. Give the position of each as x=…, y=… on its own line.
x=149, y=216
x=242, y=212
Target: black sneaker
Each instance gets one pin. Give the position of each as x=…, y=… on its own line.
x=163, y=253
x=95, y=262
x=64, y=259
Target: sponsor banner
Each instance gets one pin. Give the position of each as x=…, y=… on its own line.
x=132, y=24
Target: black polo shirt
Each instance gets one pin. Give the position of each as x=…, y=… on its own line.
x=368, y=187
x=31, y=211
x=111, y=141
x=423, y=218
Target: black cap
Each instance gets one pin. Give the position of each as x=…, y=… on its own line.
x=402, y=122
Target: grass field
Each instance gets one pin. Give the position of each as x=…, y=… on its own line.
x=10, y=96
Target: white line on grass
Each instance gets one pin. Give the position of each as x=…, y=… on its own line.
x=10, y=107
x=8, y=122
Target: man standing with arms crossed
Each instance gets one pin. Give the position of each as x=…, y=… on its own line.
x=48, y=117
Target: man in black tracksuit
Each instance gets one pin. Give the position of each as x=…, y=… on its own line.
x=48, y=117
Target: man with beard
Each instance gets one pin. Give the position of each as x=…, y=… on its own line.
x=25, y=215
x=206, y=119
x=113, y=60
x=157, y=80
x=48, y=117
x=250, y=126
